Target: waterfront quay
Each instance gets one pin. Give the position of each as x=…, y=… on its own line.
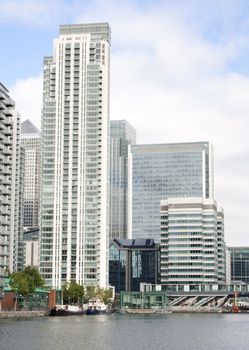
x=187, y=298
x=23, y=314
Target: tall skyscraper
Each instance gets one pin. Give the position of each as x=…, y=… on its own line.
x=6, y=133
x=10, y=186
x=75, y=166
x=161, y=171
x=31, y=143
x=17, y=188
x=122, y=134
x=190, y=241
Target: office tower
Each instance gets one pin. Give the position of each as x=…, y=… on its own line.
x=221, y=246
x=228, y=265
x=165, y=170
x=31, y=143
x=17, y=188
x=133, y=261
x=189, y=241
x=239, y=264
x=31, y=248
x=122, y=134
x=75, y=165
x=6, y=134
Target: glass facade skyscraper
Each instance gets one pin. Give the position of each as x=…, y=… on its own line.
x=31, y=143
x=133, y=261
x=75, y=165
x=122, y=134
x=161, y=171
x=239, y=264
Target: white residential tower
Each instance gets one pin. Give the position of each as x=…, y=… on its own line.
x=75, y=124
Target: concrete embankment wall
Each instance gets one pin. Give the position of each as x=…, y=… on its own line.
x=23, y=314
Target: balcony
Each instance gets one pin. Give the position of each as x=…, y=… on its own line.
x=7, y=152
x=7, y=182
x=5, y=221
x=9, y=103
x=6, y=211
x=8, y=132
x=5, y=201
x=2, y=96
x=8, y=121
x=6, y=161
x=6, y=170
x=2, y=106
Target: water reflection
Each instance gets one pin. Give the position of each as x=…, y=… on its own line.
x=127, y=332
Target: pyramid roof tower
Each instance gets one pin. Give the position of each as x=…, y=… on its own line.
x=28, y=128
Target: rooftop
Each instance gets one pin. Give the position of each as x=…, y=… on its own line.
x=102, y=29
x=183, y=147
x=28, y=128
x=135, y=243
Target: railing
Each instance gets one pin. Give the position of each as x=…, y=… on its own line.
x=195, y=289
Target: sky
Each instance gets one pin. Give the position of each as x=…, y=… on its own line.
x=179, y=72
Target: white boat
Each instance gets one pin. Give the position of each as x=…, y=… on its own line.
x=95, y=307
x=66, y=310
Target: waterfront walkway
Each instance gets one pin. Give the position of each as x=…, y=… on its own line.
x=23, y=314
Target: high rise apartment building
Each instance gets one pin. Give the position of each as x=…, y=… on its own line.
x=17, y=188
x=31, y=144
x=161, y=171
x=122, y=134
x=190, y=242
x=11, y=186
x=6, y=135
x=75, y=165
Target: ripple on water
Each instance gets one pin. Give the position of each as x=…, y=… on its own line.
x=127, y=332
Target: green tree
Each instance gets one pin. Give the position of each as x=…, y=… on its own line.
x=90, y=293
x=96, y=292
x=104, y=294
x=25, y=282
x=20, y=284
x=116, y=302
x=33, y=273
x=73, y=293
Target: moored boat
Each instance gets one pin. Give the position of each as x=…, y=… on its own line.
x=66, y=310
x=95, y=307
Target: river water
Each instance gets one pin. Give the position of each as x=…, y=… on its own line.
x=127, y=332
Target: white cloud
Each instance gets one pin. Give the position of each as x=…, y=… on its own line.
x=173, y=83
x=37, y=13
x=27, y=95
x=33, y=12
